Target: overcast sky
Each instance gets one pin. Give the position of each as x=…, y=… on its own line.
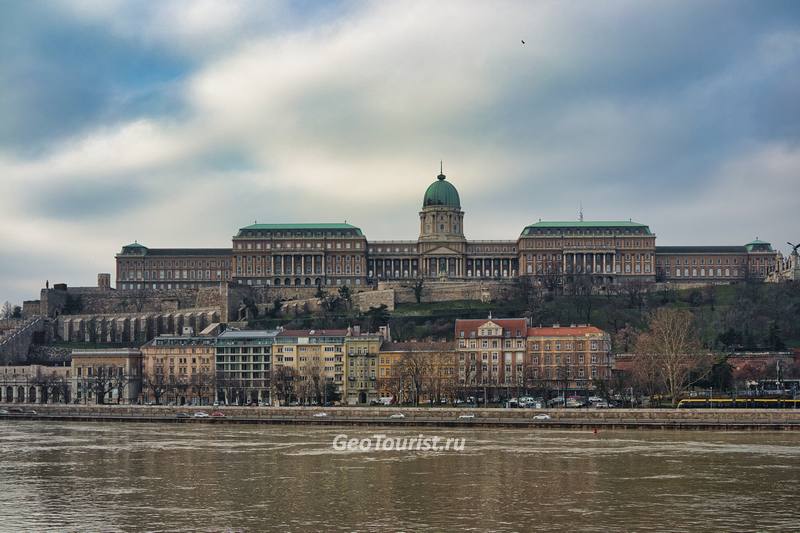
x=176, y=122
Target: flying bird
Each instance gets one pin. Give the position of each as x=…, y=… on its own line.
x=523, y=41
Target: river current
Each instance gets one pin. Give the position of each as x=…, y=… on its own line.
x=214, y=477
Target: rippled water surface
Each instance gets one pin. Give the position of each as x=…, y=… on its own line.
x=209, y=477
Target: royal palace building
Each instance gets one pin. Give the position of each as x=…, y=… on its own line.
x=331, y=254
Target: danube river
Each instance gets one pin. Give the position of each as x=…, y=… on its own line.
x=211, y=477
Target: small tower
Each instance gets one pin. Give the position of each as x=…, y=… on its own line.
x=104, y=281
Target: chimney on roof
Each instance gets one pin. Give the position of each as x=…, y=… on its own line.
x=356, y=330
x=556, y=326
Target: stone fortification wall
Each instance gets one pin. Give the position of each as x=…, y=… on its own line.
x=136, y=328
x=368, y=299
x=446, y=291
x=15, y=343
x=95, y=301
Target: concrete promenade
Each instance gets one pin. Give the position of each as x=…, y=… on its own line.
x=684, y=419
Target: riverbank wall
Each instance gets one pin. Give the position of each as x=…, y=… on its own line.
x=689, y=419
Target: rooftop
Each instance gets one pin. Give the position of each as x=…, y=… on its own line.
x=110, y=352
x=323, y=226
x=313, y=333
x=249, y=334
x=586, y=224
x=509, y=324
x=700, y=249
x=423, y=346
x=194, y=252
x=555, y=331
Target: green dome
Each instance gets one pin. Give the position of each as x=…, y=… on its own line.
x=442, y=193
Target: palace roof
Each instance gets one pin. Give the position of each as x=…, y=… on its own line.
x=322, y=226
x=700, y=249
x=586, y=224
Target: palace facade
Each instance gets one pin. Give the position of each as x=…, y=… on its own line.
x=326, y=254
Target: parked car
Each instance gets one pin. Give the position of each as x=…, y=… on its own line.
x=466, y=416
x=201, y=414
x=182, y=415
x=3, y=411
x=218, y=414
x=320, y=415
x=556, y=402
x=541, y=416
x=397, y=415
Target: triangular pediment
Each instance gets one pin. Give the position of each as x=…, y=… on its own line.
x=442, y=250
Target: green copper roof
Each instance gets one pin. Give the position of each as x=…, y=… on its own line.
x=323, y=226
x=759, y=245
x=134, y=245
x=586, y=224
x=441, y=192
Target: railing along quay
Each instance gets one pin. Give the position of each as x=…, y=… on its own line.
x=420, y=421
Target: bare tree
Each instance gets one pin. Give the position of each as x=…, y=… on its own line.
x=106, y=380
x=635, y=289
x=394, y=383
x=7, y=312
x=415, y=367
x=582, y=289
x=625, y=339
x=283, y=383
x=202, y=383
x=58, y=388
x=156, y=384
x=310, y=386
x=418, y=288
x=671, y=348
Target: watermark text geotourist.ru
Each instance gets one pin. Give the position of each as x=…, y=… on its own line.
x=384, y=443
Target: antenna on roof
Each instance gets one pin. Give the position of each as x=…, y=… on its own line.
x=441, y=167
x=580, y=212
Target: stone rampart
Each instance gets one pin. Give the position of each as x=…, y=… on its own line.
x=367, y=299
x=135, y=328
x=96, y=301
x=447, y=291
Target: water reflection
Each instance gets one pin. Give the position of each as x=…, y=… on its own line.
x=212, y=477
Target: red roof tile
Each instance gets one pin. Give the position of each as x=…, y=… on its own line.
x=513, y=325
x=566, y=331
